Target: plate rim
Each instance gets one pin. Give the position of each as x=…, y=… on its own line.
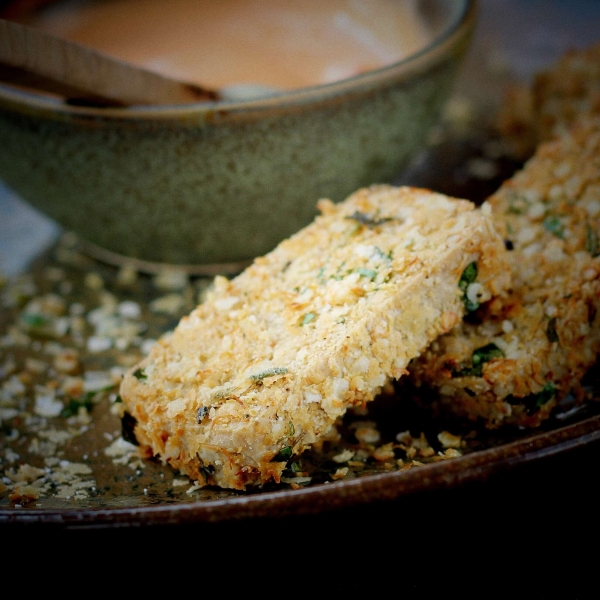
x=323, y=497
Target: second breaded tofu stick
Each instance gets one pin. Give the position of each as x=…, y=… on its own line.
x=567, y=90
x=529, y=350
x=561, y=93
x=266, y=364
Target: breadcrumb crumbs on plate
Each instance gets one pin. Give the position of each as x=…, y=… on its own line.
x=344, y=456
x=448, y=440
x=340, y=473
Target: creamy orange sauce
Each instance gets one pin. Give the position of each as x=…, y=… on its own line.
x=283, y=44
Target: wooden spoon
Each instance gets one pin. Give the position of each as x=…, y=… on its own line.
x=34, y=59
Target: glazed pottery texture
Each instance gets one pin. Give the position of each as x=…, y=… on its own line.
x=221, y=183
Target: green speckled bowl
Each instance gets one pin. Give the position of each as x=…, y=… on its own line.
x=213, y=185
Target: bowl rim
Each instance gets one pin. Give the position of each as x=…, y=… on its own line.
x=451, y=36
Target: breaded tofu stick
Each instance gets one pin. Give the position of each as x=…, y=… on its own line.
x=266, y=364
x=529, y=350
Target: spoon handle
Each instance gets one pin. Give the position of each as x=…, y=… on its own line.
x=32, y=58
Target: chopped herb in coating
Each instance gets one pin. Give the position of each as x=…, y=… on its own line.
x=268, y=373
x=307, y=318
x=34, y=320
x=226, y=393
x=533, y=402
x=469, y=275
x=139, y=374
x=293, y=469
x=479, y=357
x=554, y=226
x=283, y=455
x=551, y=333
x=367, y=220
x=340, y=273
x=592, y=243
x=368, y=273
x=383, y=255
x=517, y=204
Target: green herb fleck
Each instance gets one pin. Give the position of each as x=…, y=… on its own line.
x=84, y=401
x=554, y=226
x=368, y=273
x=367, y=220
x=226, y=393
x=296, y=467
x=479, y=357
x=75, y=404
x=307, y=318
x=592, y=243
x=140, y=374
x=517, y=204
x=34, y=320
x=292, y=429
x=268, y=373
x=551, y=333
x=383, y=255
x=469, y=275
x=283, y=455
x=118, y=399
x=339, y=272
x=533, y=402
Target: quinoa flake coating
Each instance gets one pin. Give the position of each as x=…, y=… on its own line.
x=560, y=94
x=568, y=89
x=261, y=369
x=529, y=350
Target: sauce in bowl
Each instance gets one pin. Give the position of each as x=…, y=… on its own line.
x=276, y=44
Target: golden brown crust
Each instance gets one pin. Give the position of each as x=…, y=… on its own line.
x=547, y=328
x=264, y=367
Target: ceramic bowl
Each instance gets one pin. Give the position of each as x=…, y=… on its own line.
x=213, y=185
